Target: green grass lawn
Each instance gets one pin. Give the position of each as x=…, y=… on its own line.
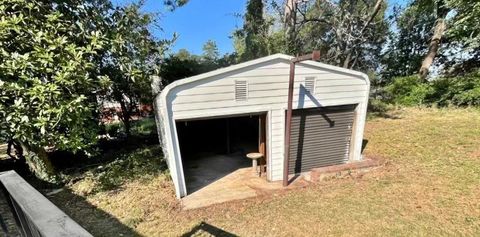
x=144, y=126
x=429, y=186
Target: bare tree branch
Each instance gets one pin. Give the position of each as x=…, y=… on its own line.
x=376, y=9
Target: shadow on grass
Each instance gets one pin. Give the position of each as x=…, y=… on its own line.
x=205, y=229
x=126, y=165
x=93, y=219
x=108, y=150
x=141, y=163
x=131, y=160
x=119, y=161
x=364, y=145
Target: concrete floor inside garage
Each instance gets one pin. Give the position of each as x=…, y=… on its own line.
x=214, y=160
x=222, y=178
x=207, y=169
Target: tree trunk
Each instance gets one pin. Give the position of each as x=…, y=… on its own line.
x=438, y=30
x=376, y=9
x=346, y=62
x=128, y=126
x=290, y=19
x=125, y=117
x=39, y=164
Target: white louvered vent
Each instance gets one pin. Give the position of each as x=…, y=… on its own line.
x=241, y=90
x=310, y=84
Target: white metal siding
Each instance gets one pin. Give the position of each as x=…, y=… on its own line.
x=267, y=87
x=277, y=148
x=267, y=91
x=213, y=94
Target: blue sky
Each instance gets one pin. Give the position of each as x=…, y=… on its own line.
x=201, y=20
x=197, y=22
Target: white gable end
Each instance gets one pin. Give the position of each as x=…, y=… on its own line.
x=264, y=83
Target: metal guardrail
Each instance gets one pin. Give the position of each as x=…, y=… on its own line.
x=34, y=214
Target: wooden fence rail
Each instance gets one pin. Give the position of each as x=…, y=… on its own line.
x=34, y=214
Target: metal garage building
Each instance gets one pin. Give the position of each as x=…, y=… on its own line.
x=228, y=110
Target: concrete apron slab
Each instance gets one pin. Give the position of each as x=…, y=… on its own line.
x=243, y=183
x=240, y=184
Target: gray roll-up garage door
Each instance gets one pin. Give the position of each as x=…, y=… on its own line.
x=320, y=137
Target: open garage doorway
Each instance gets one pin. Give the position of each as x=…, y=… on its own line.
x=214, y=148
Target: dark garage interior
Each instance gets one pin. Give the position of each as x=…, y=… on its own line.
x=213, y=148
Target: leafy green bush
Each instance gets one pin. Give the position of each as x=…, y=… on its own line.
x=457, y=91
x=113, y=129
x=377, y=106
x=144, y=126
x=407, y=91
x=47, y=62
x=443, y=91
x=468, y=97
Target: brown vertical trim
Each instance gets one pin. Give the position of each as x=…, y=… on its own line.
x=315, y=55
x=288, y=124
x=262, y=135
x=268, y=151
x=227, y=124
x=262, y=143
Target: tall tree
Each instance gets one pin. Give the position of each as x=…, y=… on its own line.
x=47, y=82
x=290, y=25
x=133, y=54
x=184, y=64
x=441, y=10
x=54, y=63
x=255, y=30
x=464, y=34
x=210, y=51
x=251, y=39
x=408, y=43
x=349, y=33
x=180, y=65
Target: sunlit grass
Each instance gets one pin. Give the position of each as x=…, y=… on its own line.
x=430, y=186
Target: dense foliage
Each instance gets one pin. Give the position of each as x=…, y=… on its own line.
x=60, y=60
x=443, y=91
x=350, y=34
x=183, y=64
x=408, y=44
x=131, y=56
x=47, y=76
x=407, y=90
x=252, y=38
